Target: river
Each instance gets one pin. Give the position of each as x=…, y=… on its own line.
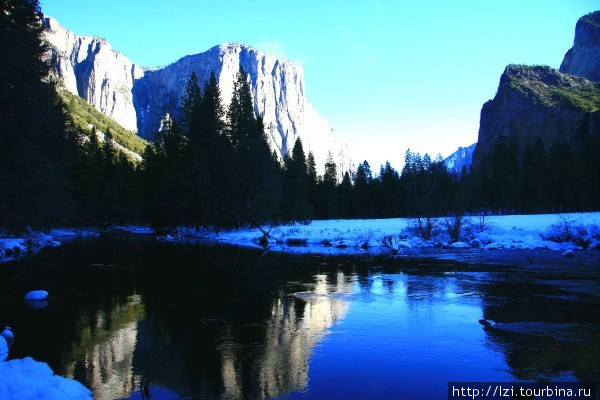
x=200, y=321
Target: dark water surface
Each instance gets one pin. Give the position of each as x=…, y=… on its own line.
x=206, y=322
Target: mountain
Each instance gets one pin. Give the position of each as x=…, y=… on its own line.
x=539, y=101
x=460, y=158
x=139, y=98
x=583, y=59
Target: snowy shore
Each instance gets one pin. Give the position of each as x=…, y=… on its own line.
x=564, y=233
x=26, y=378
x=558, y=232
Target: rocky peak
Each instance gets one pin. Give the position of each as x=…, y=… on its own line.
x=139, y=99
x=277, y=88
x=538, y=101
x=583, y=59
x=89, y=67
x=547, y=87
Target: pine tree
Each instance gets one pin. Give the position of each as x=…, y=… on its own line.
x=240, y=115
x=344, y=195
x=313, y=179
x=219, y=152
x=255, y=189
x=389, y=199
x=33, y=141
x=196, y=193
x=361, y=198
x=327, y=195
x=296, y=184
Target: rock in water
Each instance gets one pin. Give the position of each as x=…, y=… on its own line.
x=36, y=295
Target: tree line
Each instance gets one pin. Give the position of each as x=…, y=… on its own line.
x=212, y=167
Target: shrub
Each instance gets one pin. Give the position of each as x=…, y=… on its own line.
x=454, y=226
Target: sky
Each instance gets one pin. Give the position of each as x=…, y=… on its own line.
x=387, y=75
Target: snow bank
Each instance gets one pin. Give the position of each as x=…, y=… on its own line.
x=11, y=247
x=549, y=231
x=29, y=379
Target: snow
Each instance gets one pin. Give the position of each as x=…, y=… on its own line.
x=36, y=295
x=542, y=231
x=11, y=247
x=3, y=349
x=29, y=379
x=24, y=379
x=79, y=232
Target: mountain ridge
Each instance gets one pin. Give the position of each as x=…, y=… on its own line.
x=556, y=106
x=139, y=98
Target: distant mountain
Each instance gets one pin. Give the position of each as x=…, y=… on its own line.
x=539, y=101
x=139, y=98
x=462, y=157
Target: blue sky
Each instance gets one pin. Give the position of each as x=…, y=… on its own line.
x=387, y=75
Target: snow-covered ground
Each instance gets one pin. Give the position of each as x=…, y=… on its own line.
x=548, y=231
x=26, y=378
x=559, y=232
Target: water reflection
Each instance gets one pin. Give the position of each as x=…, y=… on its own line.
x=104, y=350
x=225, y=323
x=546, y=331
x=296, y=325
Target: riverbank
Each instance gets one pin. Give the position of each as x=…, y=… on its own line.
x=564, y=235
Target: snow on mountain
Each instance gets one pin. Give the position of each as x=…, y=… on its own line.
x=460, y=158
x=139, y=98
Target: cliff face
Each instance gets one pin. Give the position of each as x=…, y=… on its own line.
x=538, y=101
x=463, y=157
x=583, y=59
x=90, y=68
x=277, y=89
x=138, y=99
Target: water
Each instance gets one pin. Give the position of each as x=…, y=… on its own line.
x=206, y=322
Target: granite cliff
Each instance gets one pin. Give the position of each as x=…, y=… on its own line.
x=463, y=157
x=583, y=59
x=138, y=98
x=539, y=101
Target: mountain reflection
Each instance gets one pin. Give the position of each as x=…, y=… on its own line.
x=295, y=326
x=104, y=351
x=212, y=324
x=552, y=336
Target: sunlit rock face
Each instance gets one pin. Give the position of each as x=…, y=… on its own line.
x=139, y=99
x=278, y=92
x=463, y=157
x=90, y=68
x=583, y=59
x=109, y=348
